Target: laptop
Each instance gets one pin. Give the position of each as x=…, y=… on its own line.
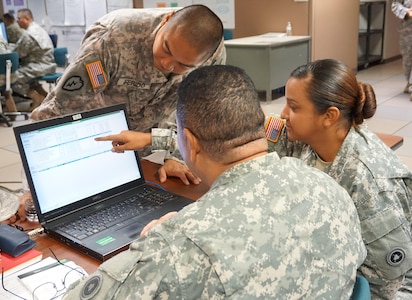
x=3, y=32
x=72, y=177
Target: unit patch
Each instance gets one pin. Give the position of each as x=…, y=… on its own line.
x=74, y=83
x=396, y=256
x=91, y=287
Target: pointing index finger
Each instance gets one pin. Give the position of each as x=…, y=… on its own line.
x=114, y=137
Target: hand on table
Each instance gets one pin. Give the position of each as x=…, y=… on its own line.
x=172, y=168
x=128, y=140
x=157, y=221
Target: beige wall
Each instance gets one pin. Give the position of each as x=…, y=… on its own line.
x=391, y=35
x=334, y=30
x=257, y=17
x=138, y=3
x=332, y=25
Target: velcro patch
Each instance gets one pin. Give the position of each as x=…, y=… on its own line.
x=74, y=83
x=96, y=74
x=273, y=128
x=91, y=287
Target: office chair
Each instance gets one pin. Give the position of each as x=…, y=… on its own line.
x=54, y=38
x=361, y=290
x=60, y=58
x=9, y=62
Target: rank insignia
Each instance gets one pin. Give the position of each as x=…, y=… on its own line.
x=96, y=74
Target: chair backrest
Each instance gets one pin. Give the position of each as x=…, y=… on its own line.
x=227, y=34
x=13, y=57
x=54, y=38
x=60, y=56
x=4, y=81
x=361, y=290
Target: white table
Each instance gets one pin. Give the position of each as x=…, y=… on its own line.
x=269, y=58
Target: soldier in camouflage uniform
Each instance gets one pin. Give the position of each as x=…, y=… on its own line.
x=403, y=10
x=35, y=50
x=9, y=101
x=137, y=56
x=325, y=107
x=3, y=49
x=14, y=31
x=269, y=228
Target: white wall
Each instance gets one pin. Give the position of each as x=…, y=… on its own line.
x=67, y=18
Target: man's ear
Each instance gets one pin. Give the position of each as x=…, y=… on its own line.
x=166, y=18
x=331, y=116
x=193, y=148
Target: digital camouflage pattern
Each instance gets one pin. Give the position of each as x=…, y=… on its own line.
x=399, y=8
x=268, y=228
x=381, y=188
x=9, y=204
x=163, y=139
x=14, y=32
x=122, y=42
x=3, y=46
x=35, y=50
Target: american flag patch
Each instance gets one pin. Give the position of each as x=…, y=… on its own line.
x=273, y=128
x=96, y=74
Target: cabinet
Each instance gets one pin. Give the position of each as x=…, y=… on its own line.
x=371, y=32
x=269, y=58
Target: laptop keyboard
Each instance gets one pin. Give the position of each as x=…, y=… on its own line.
x=91, y=224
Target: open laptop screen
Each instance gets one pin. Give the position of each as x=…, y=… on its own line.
x=67, y=165
x=3, y=32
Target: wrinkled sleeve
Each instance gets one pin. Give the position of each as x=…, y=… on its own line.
x=150, y=269
x=383, y=206
x=24, y=45
x=142, y=272
x=73, y=91
x=164, y=139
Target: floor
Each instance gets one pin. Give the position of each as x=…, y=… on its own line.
x=393, y=116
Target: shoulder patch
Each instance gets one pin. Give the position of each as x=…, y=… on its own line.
x=395, y=257
x=273, y=128
x=96, y=74
x=91, y=287
x=74, y=83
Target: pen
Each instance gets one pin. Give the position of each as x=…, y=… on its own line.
x=41, y=269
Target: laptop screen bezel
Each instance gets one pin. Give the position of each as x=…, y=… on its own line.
x=88, y=201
